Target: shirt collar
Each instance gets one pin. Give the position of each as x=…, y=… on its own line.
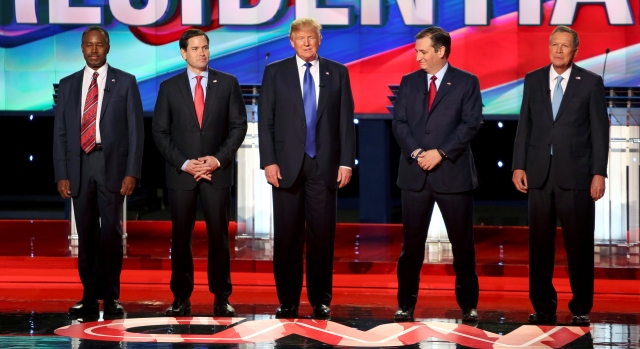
x=553, y=75
x=204, y=74
x=301, y=61
x=440, y=74
x=102, y=71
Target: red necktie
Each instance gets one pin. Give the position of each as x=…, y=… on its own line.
x=89, y=114
x=432, y=91
x=198, y=100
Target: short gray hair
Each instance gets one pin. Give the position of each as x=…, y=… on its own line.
x=565, y=29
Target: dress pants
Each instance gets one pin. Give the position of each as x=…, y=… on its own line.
x=576, y=211
x=307, y=200
x=457, y=211
x=215, y=207
x=98, y=214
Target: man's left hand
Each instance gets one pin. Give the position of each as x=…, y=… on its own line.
x=597, y=187
x=344, y=176
x=128, y=185
x=429, y=159
x=210, y=164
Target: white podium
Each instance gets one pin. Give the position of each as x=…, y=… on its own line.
x=618, y=212
x=255, y=208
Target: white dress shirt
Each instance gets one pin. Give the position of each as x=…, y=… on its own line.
x=192, y=83
x=315, y=72
x=86, y=82
x=439, y=76
x=553, y=80
x=203, y=82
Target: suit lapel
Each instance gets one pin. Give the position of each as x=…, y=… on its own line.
x=572, y=85
x=545, y=92
x=212, y=89
x=77, y=96
x=324, y=86
x=445, y=86
x=185, y=91
x=109, y=85
x=293, y=79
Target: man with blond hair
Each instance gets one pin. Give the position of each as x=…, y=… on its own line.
x=307, y=149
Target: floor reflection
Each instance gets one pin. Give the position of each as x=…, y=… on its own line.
x=35, y=330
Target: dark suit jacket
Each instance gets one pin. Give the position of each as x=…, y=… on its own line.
x=450, y=126
x=282, y=123
x=121, y=129
x=580, y=133
x=179, y=137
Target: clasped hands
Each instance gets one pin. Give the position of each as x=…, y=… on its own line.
x=429, y=159
x=202, y=167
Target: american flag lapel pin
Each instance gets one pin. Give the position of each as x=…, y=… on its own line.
x=113, y=80
x=327, y=73
x=215, y=80
x=448, y=83
x=577, y=78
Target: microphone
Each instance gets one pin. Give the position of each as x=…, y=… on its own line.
x=549, y=91
x=425, y=92
x=208, y=87
x=321, y=85
x=107, y=89
x=266, y=57
x=604, y=66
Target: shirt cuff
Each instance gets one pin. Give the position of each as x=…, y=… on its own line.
x=184, y=166
x=346, y=167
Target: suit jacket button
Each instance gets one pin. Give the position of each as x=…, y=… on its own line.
x=202, y=132
x=427, y=132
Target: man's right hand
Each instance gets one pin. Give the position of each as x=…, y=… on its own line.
x=197, y=169
x=272, y=172
x=64, y=188
x=520, y=180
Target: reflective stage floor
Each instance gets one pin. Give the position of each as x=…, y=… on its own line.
x=39, y=281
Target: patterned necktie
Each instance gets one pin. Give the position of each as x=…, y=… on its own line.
x=432, y=91
x=309, y=95
x=198, y=100
x=89, y=114
x=557, y=97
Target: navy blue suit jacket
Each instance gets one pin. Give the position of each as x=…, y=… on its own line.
x=121, y=129
x=179, y=137
x=454, y=120
x=579, y=134
x=282, y=123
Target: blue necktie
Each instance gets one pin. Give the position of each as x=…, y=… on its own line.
x=557, y=97
x=309, y=92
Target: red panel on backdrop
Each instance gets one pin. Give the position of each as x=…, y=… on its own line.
x=497, y=54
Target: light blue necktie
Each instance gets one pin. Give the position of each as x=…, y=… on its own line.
x=309, y=92
x=557, y=97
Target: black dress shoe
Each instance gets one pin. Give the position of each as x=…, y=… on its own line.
x=321, y=312
x=287, y=311
x=221, y=307
x=403, y=315
x=469, y=315
x=542, y=318
x=580, y=320
x=179, y=307
x=113, y=307
x=85, y=307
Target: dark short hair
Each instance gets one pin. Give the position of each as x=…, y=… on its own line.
x=439, y=38
x=565, y=29
x=188, y=34
x=98, y=29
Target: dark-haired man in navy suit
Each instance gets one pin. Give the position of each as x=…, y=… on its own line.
x=97, y=157
x=560, y=159
x=199, y=122
x=437, y=113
